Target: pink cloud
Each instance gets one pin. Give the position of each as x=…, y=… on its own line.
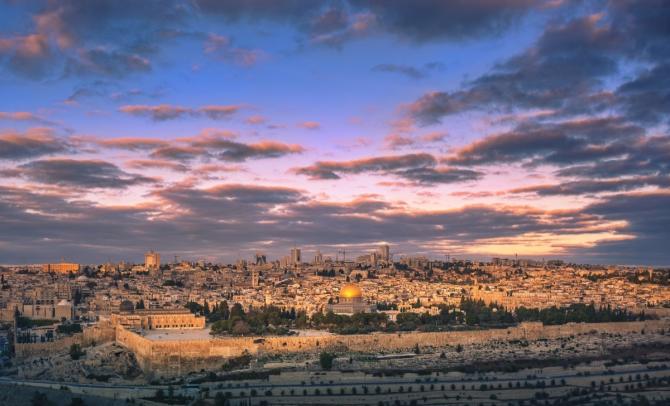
x=255, y=120
x=33, y=45
x=22, y=116
x=157, y=164
x=396, y=141
x=164, y=112
x=310, y=125
x=159, y=113
x=221, y=47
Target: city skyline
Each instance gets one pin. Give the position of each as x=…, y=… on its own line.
x=216, y=130
x=381, y=254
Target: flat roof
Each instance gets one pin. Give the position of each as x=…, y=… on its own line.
x=177, y=334
x=203, y=334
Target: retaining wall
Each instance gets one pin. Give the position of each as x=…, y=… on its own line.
x=175, y=357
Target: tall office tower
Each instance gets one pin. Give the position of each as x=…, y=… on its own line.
x=318, y=258
x=295, y=256
x=373, y=258
x=260, y=259
x=284, y=261
x=152, y=260
x=385, y=253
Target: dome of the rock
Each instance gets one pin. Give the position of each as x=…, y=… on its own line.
x=350, y=291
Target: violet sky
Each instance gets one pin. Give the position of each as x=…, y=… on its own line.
x=214, y=129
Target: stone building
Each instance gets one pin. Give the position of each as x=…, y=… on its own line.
x=350, y=301
x=49, y=303
x=157, y=319
x=152, y=260
x=61, y=267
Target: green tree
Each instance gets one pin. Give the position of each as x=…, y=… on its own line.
x=417, y=304
x=194, y=307
x=224, y=310
x=69, y=329
x=237, y=311
x=76, y=351
x=241, y=328
x=301, y=320
x=326, y=360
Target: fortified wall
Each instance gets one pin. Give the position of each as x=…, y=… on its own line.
x=97, y=334
x=175, y=357
x=27, y=350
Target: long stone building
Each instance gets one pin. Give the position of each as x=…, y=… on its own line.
x=158, y=319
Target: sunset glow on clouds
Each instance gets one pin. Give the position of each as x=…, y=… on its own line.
x=213, y=129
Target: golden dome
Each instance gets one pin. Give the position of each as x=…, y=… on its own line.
x=350, y=291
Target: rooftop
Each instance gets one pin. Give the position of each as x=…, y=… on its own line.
x=177, y=334
x=203, y=334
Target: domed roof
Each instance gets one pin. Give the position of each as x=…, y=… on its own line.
x=350, y=291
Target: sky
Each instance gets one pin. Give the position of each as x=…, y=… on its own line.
x=216, y=129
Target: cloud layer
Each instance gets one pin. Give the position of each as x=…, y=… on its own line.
x=419, y=168
x=214, y=127
x=164, y=112
x=30, y=144
x=220, y=216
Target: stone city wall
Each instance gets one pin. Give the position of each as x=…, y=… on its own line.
x=102, y=332
x=28, y=350
x=174, y=357
x=141, y=347
x=659, y=312
x=91, y=335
